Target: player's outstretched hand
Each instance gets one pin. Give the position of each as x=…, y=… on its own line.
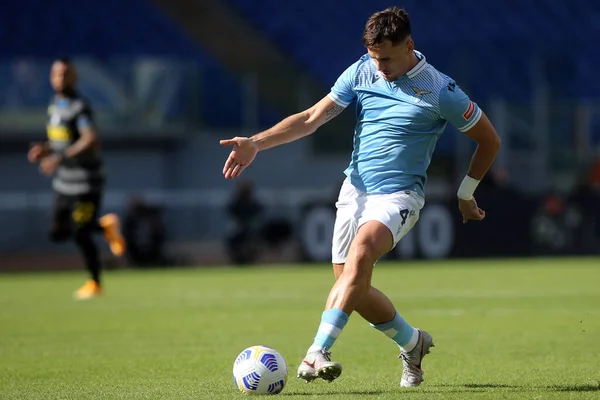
x=469, y=210
x=243, y=153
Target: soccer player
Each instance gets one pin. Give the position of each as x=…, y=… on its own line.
x=403, y=107
x=72, y=156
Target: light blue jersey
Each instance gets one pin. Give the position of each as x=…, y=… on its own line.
x=398, y=123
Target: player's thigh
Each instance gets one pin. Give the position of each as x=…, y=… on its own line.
x=346, y=222
x=344, y=231
x=399, y=212
x=84, y=211
x=61, y=217
x=373, y=240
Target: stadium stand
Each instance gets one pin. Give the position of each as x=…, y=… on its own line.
x=559, y=35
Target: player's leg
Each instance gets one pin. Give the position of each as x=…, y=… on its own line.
x=378, y=309
x=60, y=230
x=317, y=362
x=399, y=212
x=375, y=307
x=85, y=225
x=371, y=242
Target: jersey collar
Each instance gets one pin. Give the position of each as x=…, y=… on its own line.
x=417, y=69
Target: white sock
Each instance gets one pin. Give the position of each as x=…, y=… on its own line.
x=314, y=349
x=414, y=339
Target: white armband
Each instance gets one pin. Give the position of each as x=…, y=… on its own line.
x=467, y=188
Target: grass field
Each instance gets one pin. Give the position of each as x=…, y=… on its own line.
x=514, y=329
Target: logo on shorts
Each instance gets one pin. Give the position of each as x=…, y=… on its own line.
x=405, y=215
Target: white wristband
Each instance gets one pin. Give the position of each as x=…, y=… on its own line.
x=467, y=188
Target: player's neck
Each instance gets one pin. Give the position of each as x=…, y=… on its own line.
x=414, y=60
x=66, y=93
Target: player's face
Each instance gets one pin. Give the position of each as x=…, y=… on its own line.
x=393, y=61
x=62, y=77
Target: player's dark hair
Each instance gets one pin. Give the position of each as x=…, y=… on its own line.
x=64, y=60
x=391, y=24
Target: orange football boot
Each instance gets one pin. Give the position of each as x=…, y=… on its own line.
x=90, y=289
x=112, y=234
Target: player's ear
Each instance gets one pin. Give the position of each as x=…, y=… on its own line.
x=410, y=45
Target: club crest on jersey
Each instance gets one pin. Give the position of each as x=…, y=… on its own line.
x=419, y=93
x=470, y=111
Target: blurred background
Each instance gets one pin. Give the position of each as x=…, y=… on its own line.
x=168, y=79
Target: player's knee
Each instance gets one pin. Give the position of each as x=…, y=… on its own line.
x=363, y=254
x=59, y=234
x=362, y=260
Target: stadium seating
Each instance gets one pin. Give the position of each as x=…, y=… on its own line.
x=464, y=38
x=452, y=35
x=495, y=49
x=112, y=33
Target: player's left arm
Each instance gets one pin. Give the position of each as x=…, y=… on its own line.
x=466, y=116
x=88, y=136
x=488, y=145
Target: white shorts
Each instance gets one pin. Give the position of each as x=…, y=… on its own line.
x=398, y=211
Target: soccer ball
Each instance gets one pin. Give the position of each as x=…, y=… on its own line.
x=260, y=370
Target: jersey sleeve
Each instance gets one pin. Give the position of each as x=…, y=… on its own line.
x=342, y=92
x=457, y=108
x=84, y=117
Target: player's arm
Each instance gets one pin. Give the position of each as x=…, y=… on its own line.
x=488, y=145
x=466, y=116
x=37, y=151
x=88, y=138
x=292, y=128
x=298, y=125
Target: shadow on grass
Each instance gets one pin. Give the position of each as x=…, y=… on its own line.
x=491, y=386
x=458, y=388
x=341, y=392
x=470, y=387
x=573, y=388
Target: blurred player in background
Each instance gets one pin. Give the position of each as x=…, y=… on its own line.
x=403, y=107
x=72, y=156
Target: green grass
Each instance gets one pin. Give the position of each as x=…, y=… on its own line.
x=519, y=329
